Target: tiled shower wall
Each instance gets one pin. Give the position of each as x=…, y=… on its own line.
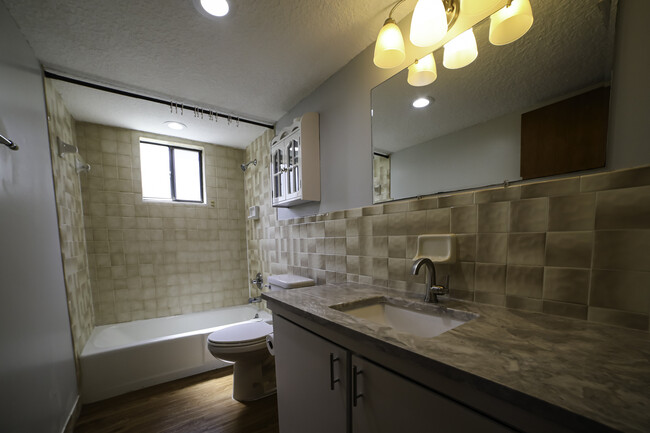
x=152, y=259
x=575, y=247
x=67, y=188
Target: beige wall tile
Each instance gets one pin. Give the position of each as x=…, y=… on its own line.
x=566, y=284
x=551, y=188
x=461, y=277
x=510, y=193
x=525, y=281
x=616, y=179
x=459, y=199
x=492, y=247
x=575, y=311
x=619, y=318
x=620, y=290
x=490, y=298
x=527, y=304
x=464, y=219
x=490, y=278
x=526, y=248
x=423, y=204
x=627, y=208
x=529, y=215
x=569, y=249
x=466, y=247
x=493, y=217
x=438, y=221
x=572, y=213
x=622, y=249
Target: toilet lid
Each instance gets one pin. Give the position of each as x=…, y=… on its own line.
x=241, y=333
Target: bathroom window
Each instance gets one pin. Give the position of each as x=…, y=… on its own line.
x=171, y=172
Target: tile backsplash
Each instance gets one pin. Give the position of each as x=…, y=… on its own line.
x=153, y=259
x=575, y=247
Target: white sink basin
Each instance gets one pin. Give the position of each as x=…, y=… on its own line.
x=424, y=323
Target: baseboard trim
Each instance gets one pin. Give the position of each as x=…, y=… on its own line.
x=72, y=417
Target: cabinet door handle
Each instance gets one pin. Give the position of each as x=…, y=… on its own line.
x=332, y=380
x=355, y=394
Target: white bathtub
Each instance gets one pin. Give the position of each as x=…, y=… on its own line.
x=128, y=356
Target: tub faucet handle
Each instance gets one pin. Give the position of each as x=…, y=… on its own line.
x=258, y=281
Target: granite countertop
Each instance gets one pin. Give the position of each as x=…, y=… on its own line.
x=597, y=372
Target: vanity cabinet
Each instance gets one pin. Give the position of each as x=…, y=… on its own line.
x=295, y=163
x=323, y=387
x=314, y=394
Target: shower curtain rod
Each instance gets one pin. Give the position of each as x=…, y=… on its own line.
x=192, y=108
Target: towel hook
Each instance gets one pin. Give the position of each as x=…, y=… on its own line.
x=10, y=144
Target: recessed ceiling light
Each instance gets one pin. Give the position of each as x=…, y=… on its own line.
x=217, y=8
x=177, y=126
x=421, y=102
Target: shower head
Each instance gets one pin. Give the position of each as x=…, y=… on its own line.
x=245, y=166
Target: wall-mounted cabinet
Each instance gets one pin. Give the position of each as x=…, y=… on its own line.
x=295, y=163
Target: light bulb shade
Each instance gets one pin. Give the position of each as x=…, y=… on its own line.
x=460, y=51
x=389, y=48
x=477, y=7
x=510, y=23
x=423, y=72
x=429, y=23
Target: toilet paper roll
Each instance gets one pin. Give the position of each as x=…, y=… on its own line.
x=270, y=344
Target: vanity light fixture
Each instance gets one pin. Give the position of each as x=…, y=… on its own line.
x=389, y=48
x=423, y=72
x=478, y=7
x=176, y=126
x=510, y=23
x=421, y=102
x=217, y=8
x=460, y=51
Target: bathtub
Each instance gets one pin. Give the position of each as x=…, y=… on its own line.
x=128, y=356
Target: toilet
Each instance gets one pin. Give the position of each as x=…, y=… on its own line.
x=245, y=345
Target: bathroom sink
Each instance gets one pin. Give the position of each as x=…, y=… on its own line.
x=423, y=321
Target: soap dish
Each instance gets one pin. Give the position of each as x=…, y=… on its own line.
x=437, y=248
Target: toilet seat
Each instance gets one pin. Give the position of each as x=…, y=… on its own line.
x=241, y=335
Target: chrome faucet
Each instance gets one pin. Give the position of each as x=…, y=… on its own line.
x=431, y=290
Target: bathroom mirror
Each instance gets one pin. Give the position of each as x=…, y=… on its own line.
x=469, y=134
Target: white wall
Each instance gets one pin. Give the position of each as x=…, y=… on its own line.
x=343, y=102
x=37, y=372
x=483, y=154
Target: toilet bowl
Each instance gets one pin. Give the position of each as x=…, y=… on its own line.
x=245, y=345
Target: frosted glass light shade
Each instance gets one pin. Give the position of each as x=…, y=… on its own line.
x=389, y=48
x=477, y=7
x=460, y=51
x=510, y=23
x=423, y=72
x=429, y=23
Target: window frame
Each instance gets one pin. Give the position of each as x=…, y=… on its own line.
x=172, y=171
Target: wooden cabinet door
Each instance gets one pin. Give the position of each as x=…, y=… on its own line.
x=385, y=402
x=311, y=380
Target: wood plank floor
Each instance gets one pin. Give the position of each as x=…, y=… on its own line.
x=200, y=403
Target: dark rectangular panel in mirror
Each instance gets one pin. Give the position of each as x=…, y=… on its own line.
x=567, y=136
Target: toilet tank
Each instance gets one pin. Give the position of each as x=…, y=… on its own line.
x=288, y=281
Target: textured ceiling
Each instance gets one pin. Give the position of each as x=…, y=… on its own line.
x=568, y=49
x=257, y=62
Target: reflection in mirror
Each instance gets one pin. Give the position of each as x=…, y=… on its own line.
x=469, y=134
